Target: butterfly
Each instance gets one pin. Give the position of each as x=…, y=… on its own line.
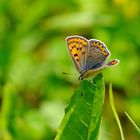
x=89, y=56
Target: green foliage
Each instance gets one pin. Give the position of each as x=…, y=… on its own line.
x=33, y=55
x=83, y=115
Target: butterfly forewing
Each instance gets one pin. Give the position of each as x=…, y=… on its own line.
x=78, y=47
x=97, y=54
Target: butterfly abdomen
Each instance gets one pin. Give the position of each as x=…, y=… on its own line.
x=88, y=74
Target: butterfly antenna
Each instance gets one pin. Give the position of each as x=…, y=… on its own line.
x=68, y=73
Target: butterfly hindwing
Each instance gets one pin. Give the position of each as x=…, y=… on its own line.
x=78, y=47
x=98, y=69
x=97, y=54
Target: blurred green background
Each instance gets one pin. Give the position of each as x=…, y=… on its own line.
x=33, y=55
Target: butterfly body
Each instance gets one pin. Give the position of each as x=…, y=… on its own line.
x=89, y=56
x=89, y=73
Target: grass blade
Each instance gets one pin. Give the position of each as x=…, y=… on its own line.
x=134, y=124
x=114, y=111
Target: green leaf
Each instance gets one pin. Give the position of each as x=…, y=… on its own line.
x=83, y=115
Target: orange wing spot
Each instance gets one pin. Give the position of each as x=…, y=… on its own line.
x=74, y=51
x=102, y=48
x=82, y=41
x=80, y=47
x=77, y=45
x=114, y=62
x=74, y=44
x=78, y=39
x=70, y=40
x=75, y=39
x=77, y=57
x=71, y=46
x=85, y=43
x=105, y=53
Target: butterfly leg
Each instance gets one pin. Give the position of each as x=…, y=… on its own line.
x=80, y=77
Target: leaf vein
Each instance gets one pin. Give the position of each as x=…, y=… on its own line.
x=77, y=133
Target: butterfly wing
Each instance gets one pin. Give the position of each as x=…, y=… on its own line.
x=96, y=58
x=78, y=47
x=97, y=54
x=90, y=56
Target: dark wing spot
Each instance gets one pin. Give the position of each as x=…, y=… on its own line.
x=77, y=60
x=75, y=54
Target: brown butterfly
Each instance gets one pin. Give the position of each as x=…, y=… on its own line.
x=89, y=56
